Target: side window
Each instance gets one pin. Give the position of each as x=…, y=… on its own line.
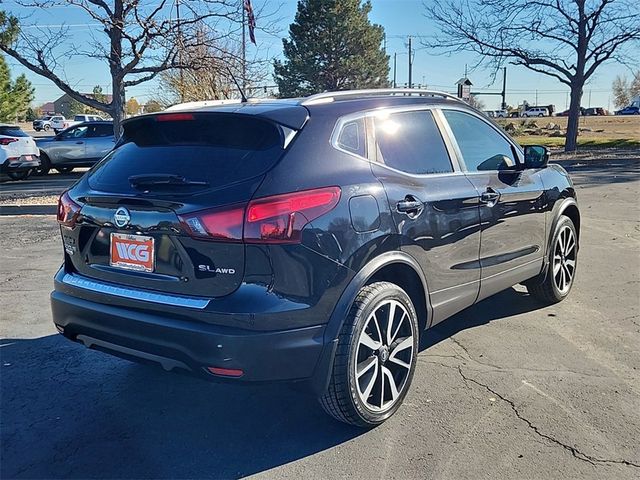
x=78, y=132
x=352, y=137
x=411, y=142
x=482, y=147
x=100, y=130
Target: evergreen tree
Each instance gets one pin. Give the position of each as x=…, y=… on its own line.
x=15, y=97
x=332, y=46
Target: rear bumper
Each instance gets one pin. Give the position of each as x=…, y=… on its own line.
x=19, y=164
x=190, y=345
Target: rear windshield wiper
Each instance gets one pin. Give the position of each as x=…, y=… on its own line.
x=163, y=179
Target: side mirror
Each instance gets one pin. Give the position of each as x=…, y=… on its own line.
x=535, y=156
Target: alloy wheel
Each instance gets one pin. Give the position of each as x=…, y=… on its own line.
x=384, y=356
x=564, y=260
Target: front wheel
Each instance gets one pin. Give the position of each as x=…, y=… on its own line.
x=561, y=268
x=375, y=357
x=47, y=128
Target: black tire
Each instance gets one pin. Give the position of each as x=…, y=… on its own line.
x=342, y=400
x=547, y=287
x=64, y=169
x=47, y=128
x=45, y=165
x=18, y=175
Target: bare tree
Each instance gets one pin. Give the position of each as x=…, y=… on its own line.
x=219, y=63
x=623, y=91
x=565, y=39
x=137, y=40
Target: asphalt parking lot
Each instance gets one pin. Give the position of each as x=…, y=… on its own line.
x=505, y=390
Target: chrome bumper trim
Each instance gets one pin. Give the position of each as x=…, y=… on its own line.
x=133, y=293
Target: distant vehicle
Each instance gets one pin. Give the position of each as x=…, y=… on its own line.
x=43, y=123
x=629, y=111
x=60, y=123
x=18, y=152
x=536, y=112
x=496, y=113
x=79, y=146
x=566, y=112
x=595, y=111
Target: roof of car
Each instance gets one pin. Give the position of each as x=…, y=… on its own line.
x=293, y=112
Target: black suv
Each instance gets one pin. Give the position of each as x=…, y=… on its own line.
x=307, y=240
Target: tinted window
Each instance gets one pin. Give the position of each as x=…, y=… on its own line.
x=12, y=132
x=482, y=147
x=352, y=137
x=411, y=142
x=219, y=149
x=100, y=130
x=76, y=132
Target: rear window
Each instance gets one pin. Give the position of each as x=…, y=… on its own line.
x=12, y=132
x=218, y=149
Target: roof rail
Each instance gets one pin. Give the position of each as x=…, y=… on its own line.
x=327, y=97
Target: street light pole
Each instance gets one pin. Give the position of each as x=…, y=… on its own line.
x=410, y=65
x=395, y=55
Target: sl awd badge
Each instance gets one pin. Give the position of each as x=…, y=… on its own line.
x=212, y=269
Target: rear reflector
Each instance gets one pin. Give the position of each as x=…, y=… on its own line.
x=174, y=117
x=68, y=210
x=226, y=372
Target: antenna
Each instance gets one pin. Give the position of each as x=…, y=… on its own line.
x=242, y=95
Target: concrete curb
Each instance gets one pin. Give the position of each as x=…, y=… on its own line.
x=28, y=209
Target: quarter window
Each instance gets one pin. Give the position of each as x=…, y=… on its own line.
x=352, y=137
x=482, y=147
x=411, y=142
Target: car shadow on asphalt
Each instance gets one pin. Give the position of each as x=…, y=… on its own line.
x=75, y=413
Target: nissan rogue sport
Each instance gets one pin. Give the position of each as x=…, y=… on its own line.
x=307, y=240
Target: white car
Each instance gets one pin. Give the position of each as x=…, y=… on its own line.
x=19, y=154
x=501, y=113
x=536, y=112
x=59, y=123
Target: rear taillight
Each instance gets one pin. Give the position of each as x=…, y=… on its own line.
x=7, y=140
x=281, y=218
x=68, y=210
x=222, y=225
x=276, y=219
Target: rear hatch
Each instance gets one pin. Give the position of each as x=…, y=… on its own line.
x=164, y=210
x=17, y=143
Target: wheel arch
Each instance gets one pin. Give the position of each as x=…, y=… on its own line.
x=394, y=266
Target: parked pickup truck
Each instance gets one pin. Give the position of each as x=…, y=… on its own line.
x=59, y=123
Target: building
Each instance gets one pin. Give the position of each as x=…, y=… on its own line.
x=64, y=104
x=48, y=108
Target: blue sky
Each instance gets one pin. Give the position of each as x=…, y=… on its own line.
x=400, y=18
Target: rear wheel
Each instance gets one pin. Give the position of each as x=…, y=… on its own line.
x=64, y=169
x=375, y=358
x=561, y=268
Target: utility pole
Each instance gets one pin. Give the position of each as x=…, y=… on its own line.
x=410, y=64
x=536, y=97
x=395, y=55
x=589, y=98
x=504, y=88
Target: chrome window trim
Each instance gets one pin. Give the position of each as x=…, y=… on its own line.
x=134, y=293
x=372, y=158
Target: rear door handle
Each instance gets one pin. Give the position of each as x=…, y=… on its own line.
x=410, y=206
x=490, y=196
